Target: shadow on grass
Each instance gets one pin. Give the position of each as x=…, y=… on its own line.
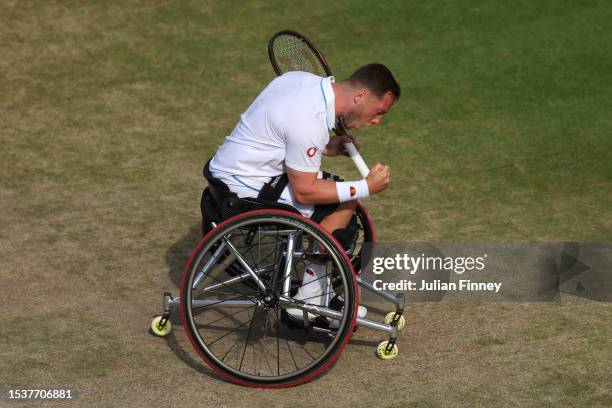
x=179, y=253
x=178, y=347
x=197, y=365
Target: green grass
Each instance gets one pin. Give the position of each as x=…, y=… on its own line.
x=110, y=109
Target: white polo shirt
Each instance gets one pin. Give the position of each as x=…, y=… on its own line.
x=286, y=126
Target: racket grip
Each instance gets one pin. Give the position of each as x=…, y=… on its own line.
x=357, y=159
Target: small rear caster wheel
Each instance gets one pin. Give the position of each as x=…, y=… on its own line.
x=161, y=331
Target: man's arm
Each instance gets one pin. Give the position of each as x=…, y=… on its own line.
x=308, y=189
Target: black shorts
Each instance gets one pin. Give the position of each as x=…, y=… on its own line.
x=322, y=210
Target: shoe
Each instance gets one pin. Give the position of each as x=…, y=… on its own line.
x=315, y=299
x=310, y=292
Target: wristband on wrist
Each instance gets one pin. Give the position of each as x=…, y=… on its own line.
x=352, y=190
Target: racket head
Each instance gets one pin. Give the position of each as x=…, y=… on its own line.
x=291, y=51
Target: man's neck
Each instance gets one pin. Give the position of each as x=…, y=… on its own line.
x=341, y=97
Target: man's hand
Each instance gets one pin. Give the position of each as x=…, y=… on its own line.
x=335, y=146
x=378, y=179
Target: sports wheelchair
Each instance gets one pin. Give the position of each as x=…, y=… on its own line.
x=240, y=282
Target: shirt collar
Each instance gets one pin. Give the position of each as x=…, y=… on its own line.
x=330, y=100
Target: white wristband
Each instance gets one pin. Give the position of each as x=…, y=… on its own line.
x=352, y=190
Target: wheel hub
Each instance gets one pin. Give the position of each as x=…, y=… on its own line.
x=268, y=300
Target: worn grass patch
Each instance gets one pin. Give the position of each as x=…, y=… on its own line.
x=110, y=109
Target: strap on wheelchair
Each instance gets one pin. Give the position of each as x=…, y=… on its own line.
x=219, y=202
x=272, y=190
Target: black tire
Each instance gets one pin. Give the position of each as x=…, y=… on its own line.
x=249, y=343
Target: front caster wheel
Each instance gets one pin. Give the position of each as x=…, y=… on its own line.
x=381, y=351
x=389, y=319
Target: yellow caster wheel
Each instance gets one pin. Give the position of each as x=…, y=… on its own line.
x=400, y=324
x=160, y=332
x=381, y=351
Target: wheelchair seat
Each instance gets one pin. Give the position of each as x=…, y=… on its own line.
x=219, y=203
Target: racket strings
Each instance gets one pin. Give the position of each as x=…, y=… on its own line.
x=293, y=54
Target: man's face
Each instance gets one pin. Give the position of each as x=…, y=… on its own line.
x=367, y=109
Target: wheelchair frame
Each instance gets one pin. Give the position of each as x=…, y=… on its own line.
x=393, y=321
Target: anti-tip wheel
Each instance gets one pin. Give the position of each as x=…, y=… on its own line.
x=161, y=332
x=381, y=351
x=389, y=319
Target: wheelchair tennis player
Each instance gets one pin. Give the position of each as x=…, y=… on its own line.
x=274, y=152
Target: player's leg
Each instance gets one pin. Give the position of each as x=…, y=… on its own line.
x=340, y=217
x=314, y=287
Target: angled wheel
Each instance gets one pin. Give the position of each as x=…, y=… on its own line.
x=367, y=237
x=238, y=284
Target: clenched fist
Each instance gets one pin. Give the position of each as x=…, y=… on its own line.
x=378, y=178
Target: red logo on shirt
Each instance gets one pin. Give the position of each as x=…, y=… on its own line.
x=311, y=151
x=353, y=191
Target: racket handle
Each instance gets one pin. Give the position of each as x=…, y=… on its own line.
x=357, y=159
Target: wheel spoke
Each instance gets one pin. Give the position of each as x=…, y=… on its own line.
x=225, y=285
x=246, y=343
x=277, y=343
x=230, y=315
x=237, y=328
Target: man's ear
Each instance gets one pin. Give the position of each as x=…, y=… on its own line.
x=360, y=96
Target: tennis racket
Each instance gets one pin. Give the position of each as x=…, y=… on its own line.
x=291, y=51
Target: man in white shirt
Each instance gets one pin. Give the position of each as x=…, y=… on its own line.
x=286, y=130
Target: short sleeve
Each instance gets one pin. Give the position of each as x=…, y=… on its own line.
x=304, y=147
